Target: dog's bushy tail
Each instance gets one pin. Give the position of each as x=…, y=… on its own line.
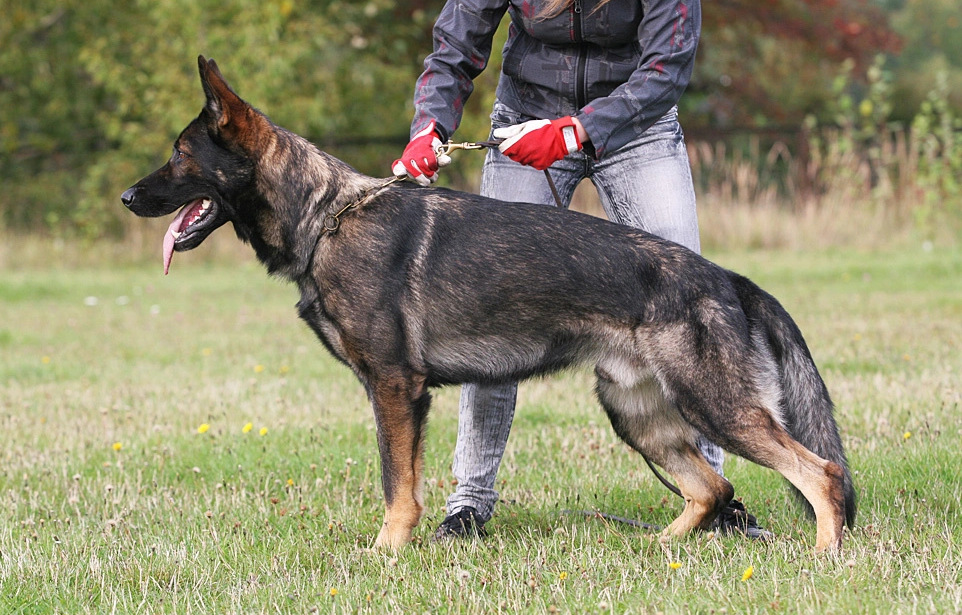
x=807, y=408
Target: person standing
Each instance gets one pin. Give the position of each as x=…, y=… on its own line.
x=588, y=90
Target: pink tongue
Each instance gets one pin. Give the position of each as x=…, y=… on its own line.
x=169, y=236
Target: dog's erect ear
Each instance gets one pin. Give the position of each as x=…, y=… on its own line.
x=223, y=104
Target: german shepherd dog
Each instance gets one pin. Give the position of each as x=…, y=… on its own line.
x=415, y=288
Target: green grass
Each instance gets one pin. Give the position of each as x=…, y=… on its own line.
x=230, y=522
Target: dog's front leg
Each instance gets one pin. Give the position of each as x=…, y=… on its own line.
x=400, y=409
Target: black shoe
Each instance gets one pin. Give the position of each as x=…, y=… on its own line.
x=734, y=518
x=462, y=524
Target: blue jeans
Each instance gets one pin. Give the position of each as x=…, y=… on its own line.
x=646, y=184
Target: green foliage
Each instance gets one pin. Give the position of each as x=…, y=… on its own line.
x=92, y=96
x=770, y=61
x=932, y=34
x=98, y=94
x=873, y=159
x=938, y=132
x=862, y=111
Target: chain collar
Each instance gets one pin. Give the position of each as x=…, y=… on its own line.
x=332, y=222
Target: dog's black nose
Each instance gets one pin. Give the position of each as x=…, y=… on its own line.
x=128, y=196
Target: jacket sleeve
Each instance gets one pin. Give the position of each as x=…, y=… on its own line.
x=462, y=45
x=668, y=35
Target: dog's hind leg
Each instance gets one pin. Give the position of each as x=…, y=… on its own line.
x=758, y=437
x=728, y=388
x=738, y=418
x=706, y=493
x=400, y=410
x=644, y=418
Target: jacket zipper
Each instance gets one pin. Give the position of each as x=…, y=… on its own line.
x=580, y=69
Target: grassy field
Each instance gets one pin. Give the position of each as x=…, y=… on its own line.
x=184, y=445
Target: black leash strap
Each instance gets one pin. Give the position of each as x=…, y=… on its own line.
x=664, y=481
x=554, y=191
x=597, y=514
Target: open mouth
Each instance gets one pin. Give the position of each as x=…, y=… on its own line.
x=186, y=231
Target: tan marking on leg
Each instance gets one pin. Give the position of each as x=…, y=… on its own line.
x=820, y=481
x=419, y=474
x=404, y=510
x=706, y=493
x=399, y=523
x=401, y=441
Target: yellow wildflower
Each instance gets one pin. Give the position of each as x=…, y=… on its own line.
x=203, y=428
x=118, y=446
x=333, y=591
x=258, y=368
x=907, y=435
x=563, y=576
x=263, y=431
x=674, y=565
x=748, y=573
x=247, y=427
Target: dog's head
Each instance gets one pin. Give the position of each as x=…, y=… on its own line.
x=209, y=171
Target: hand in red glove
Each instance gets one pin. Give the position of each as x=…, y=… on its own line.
x=539, y=143
x=419, y=162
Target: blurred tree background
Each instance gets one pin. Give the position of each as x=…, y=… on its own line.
x=93, y=93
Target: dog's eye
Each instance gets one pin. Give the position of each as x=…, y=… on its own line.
x=179, y=156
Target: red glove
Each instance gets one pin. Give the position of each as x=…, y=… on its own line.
x=419, y=162
x=539, y=143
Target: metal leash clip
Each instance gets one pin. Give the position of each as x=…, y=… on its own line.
x=445, y=149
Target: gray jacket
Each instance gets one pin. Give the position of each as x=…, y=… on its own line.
x=617, y=68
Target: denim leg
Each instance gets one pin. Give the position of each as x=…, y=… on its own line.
x=648, y=185
x=485, y=412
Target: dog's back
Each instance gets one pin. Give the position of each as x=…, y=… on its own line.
x=537, y=287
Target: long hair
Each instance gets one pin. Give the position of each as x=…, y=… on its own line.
x=553, y=8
